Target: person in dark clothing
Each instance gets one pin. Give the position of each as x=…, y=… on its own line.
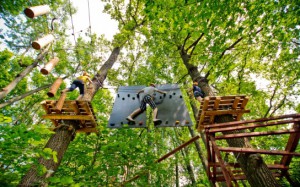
x=197, y=92
x=79, y=83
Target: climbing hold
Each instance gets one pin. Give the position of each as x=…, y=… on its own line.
x=112, y=124
x=177, y=122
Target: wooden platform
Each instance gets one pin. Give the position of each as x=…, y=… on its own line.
x=80, y=111
x=218, y=170
x=219, y=105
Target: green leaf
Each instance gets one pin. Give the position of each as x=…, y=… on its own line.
x=66, y=180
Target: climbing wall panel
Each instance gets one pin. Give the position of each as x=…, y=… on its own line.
x=171, y=107
x=126, y=101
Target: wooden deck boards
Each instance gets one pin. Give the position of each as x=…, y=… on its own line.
x=220, y=105
x=80, y=111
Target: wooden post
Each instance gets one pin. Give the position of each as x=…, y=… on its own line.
x=49, y=66
x=60, y=102
x=53, y=89
x=35, y=11
x=42, y=42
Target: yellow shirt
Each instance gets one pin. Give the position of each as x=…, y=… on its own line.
x=83, y=78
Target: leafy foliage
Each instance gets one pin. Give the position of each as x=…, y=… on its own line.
x=249, y=48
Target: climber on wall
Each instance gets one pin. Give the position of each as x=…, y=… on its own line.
x=147, y=99
x=80, y=83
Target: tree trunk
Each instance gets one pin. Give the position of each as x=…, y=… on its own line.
x=177, y=172
x=188, y=166
x=61, y=139
x=101, y=74
x=19, y=77
x=59, y=142
x=253, y=166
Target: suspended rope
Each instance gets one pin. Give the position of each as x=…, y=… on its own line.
x=90, y=32
x=73, y=33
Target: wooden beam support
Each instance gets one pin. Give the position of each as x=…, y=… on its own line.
x=87, y=130
x=252, y=134
x=242, y=177
x=237, y=123
x=178, y=148
x=44, y=105
x=236, y=102
x=226, y=173
x=202, y=116
x=222, y=112
x=237, y=165
x=261, y=151
x=291, y=145
x=272, y=123
x=166, y=156
x=67, y=117
x=244, y=103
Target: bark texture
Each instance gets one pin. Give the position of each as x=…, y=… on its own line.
x=61, y=139
x=253, y=166
x=59, y=142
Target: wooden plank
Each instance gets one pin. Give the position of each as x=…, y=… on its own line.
x=252, y=150
x=165, y=156
x=291, y=145
x=252, y=134
x=236, y=123
x=87, y=130
x=60, y=102
x=237, y=165
x=200, y=126
x=73, y=106
x=209, y=153
x=244, y=103
x=216, y=106
x=227, y=175
x=67, y=117
x=178, y=148
x=222, y=112
x=243, y=177
x=235, y=102
x=266, y=124
x=217, y=103
x=232, y=97
x=45, y=107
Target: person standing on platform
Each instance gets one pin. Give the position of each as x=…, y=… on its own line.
x=198, y=94
x=79, y=82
